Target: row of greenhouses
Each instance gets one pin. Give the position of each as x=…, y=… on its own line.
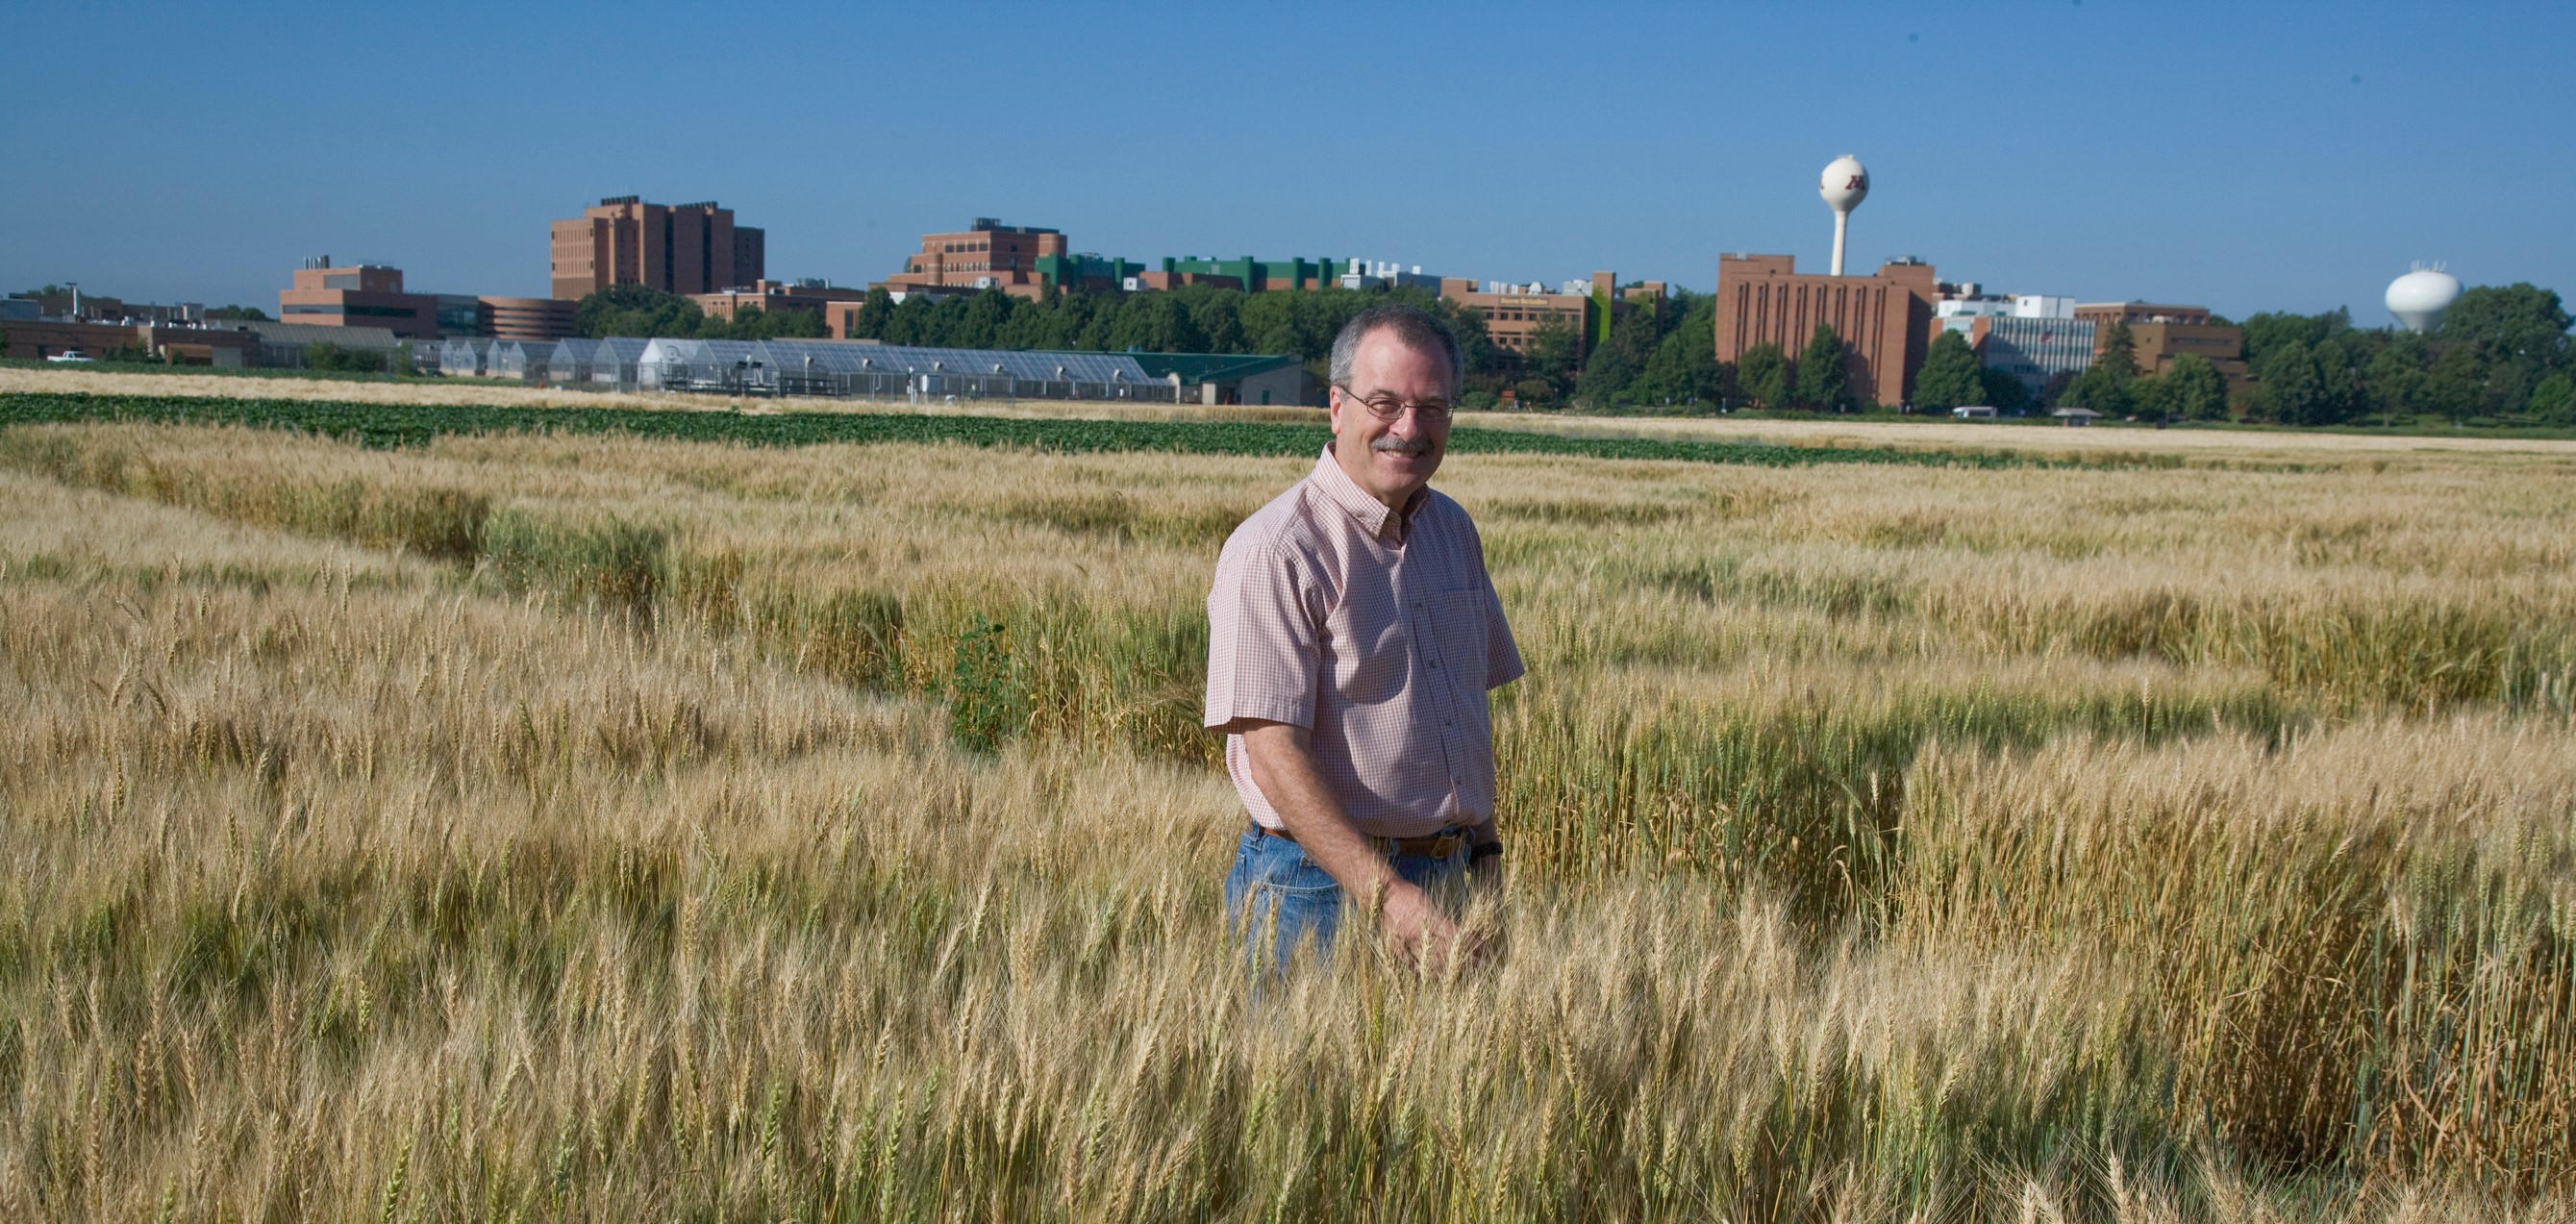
x=799, y=367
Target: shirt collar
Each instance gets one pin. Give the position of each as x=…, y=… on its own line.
x=1372, y=514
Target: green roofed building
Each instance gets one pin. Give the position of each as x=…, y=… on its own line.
x=1087, y=271
x=1230, y=378
x=1246, y=273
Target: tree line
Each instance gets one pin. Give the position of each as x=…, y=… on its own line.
x=1657, y=358
x=2501, y=351
x=646, y=312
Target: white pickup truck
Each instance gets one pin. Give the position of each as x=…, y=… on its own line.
x=71, y=355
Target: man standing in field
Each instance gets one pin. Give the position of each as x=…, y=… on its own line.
x=1352, y=637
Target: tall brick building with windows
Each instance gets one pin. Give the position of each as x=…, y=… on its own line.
x=365, y=295
x=984, y=255
x=678, y=248
x=1884, y=320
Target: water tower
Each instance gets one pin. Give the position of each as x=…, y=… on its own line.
x=2419, y=297
x=1845, y=185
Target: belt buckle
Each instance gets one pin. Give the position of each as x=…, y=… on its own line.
x=1436, y=845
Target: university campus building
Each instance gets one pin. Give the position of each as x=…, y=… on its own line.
x=774, y=296
x=372, y=296
x=678, y=248
x=1884, y=320
x=1515, y=313
x=985, y=255
x=362, y=295
x=2162, y=333
x=2033, y=337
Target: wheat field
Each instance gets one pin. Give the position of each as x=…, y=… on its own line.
x=575, y=828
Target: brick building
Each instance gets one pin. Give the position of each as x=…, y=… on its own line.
x=1097, y=273
x=679, y=248
x=366, y=295
x=1249, y=274
x=35, y=339
x=517, y=318
x=2162, y=333
x=774, y=296
x=986, y=254
x=1884, y=320
x=1515, y=313
x=72, y=305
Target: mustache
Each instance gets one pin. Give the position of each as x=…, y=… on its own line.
x=1398, y=446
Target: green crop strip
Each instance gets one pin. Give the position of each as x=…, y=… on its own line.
x=394, y=425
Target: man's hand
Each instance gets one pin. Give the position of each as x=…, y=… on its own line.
x=1421, y=935
x=1283, y=766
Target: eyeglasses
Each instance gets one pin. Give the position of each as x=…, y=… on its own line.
x=1387, y=407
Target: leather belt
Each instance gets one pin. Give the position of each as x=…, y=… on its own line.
x=1436, y=845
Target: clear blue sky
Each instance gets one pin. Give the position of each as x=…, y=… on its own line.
x=2243, y=156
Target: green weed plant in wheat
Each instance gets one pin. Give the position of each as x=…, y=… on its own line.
x=513, y=825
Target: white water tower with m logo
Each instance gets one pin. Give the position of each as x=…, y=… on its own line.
x=1845, y=185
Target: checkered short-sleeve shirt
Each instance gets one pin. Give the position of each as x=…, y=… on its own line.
x=1380, y=633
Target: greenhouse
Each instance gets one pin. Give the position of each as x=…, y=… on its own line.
x=613, y=360
x=520, y=359
x=720, y=367
x=570, y=361
x=788, y=367
x=464, y=357
x=814, y=367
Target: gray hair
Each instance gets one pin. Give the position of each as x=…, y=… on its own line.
x=1419, y=329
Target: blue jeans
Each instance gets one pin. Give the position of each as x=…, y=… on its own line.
x=1278, y=892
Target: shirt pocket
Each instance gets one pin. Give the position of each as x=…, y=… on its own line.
x=1459, y=633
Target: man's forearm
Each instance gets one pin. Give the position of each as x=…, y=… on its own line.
x=1284, y=768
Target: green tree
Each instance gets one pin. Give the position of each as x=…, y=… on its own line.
x=2099, y=389
x=754, y=323
x=2286, y=390
x=324, y=355
x=1605, y=380
x=2554, y=400
x=2119, y=358
x=873, y=312
x=1479, y=358
x=1218, y=319
x=2456, y=386
x=1762, y=373
x=2518, y=325
x=1951, y=375
x=1821, y=377
x=2268, y=331
x=1155, y=323
x=2191, y=389
x=1684, y=370
x=2394, y=382
x=637, y=310
x=251, y=313
x=2520, y=334
x=1555, y=352
x=2004, y=391
x=2301, y=384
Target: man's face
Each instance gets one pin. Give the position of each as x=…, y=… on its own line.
x=1393, y=460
